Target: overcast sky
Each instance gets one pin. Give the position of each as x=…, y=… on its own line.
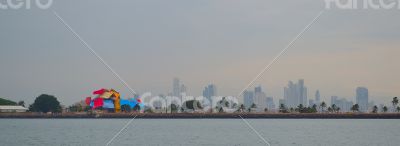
x=225, y=42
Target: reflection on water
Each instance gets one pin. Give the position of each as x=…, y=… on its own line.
x=199, y=132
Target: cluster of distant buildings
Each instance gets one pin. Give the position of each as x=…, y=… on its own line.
x=297, y=93
x=294, y=95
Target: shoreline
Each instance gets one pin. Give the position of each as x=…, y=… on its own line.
x=201, y=116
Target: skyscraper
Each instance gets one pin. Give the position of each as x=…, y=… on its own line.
x=334, y=100
x=295, y=94
x=248, y=97
x=362, y=98
x=281, y=101
x=311, y=102
x=183, y=89
x=270, y=103
x=342, y=103
x=317, y=97
x=260, y=98
x=176, y=87
x=210, y=91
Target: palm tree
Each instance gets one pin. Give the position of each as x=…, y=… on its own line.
x=385, y=109
x=355, y=108
x=253, y=106
x=282, y=108
x=314, y=108
x=330, y=109
x=242, y=107
x=292, y=109
x=395, y=101
x=21, y=103
x=323, y=105
x=375, y=109
x=300, y=108
x=334, y=107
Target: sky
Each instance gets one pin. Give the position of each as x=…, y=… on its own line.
x=224, y=42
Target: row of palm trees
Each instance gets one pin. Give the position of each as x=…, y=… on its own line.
x=323, y=107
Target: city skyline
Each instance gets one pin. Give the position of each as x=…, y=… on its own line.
x=294, y=95
x=226, y=46
x=208, y=72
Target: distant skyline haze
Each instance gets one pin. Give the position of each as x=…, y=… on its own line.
x=225, y=43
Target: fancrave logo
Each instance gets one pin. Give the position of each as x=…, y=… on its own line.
x=363, y=4
x=25, y=4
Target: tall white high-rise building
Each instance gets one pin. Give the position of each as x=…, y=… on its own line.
x=333, y=100
x=210, y=91
x=270, y=103
x=317, y=97
x=295, y=94
x=183, y=89
x=362, y=98
x=248, y=98
x=342, y=103
x=176, y=87
x=311, y=102
x=260, y=98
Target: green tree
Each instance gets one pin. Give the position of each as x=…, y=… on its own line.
x=398, y=109
x=126, y=108
x=334, y=108
x=234, y=105
x=283, y=109
x=355, y=108
x=253, y=105
x=395, y=101
x=241, y=108
x=221, y=110
x=21, y=103
x=192, y=105
x=323, y=105
x=314, y=108
x=73, y=108
x=292, y=109
x=385, y=109
x=7, y=102
x=223, y=102
x=136, y=108
x=46, y=103
x=174, y=108
x=300, y=108
x=330, y=109
x=375, y=109
x=148, y=110
x=338, y=109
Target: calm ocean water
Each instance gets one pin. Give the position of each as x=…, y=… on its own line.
x=200, y=132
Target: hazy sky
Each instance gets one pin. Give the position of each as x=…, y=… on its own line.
x=225, y=42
